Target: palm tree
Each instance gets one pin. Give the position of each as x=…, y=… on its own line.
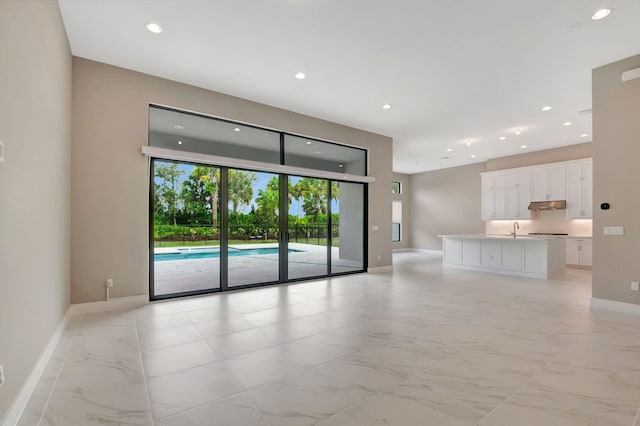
x=210, y=180
x=240, y=189
x=296, y=191
x=268, y=200
x=168, y=188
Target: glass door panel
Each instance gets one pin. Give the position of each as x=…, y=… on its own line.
x=308, y=227
x=186, y=229
x=347, y=220
x=252, y=227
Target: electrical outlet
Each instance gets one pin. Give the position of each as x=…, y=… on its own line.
x=1, y=374
x=635, y=285
x=379, y=257
x=108, y=282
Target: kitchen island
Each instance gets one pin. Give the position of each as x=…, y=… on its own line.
x=525, y=256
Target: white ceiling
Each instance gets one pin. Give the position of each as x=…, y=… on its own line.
x=454, y=70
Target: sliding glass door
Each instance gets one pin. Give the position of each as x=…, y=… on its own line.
x=185, y=228
x=308, y=229
x=252, y=228
x=218, y=228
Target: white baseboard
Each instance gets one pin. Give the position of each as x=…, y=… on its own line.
x=114, y=304
x=613, y=305
x=380, y=269
x=19, y=404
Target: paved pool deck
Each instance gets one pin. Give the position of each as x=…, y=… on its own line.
x=178, y=276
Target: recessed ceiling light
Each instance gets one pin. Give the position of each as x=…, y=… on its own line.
x=308, y=142
x=386, y=106
x=523, y=146
x=468, y=143
x=154, y=28
x=340, y=165
x=179, y=142
x=584, y=135
x=517, y=132
x=316, y=152
x=502, y=138
x=178, y=126
x=546, y=108
x=237, y=129
x=473, y=156
x=601, y=13
x=567, y=123
x=449, y=149
x=300, y=75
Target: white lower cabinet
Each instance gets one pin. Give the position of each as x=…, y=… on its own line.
x=526, y=256
x=471, y=252
x=491, y=254
x=512, y=252
x=536, y=258
x=579, y=251
x=452, y=250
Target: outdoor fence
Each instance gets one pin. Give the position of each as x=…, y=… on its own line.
x=206, y=234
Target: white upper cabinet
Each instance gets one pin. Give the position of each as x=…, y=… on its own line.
x=580, y=191
x=557, y=183
x=506, y=194
x=549, y=183
x=493, y=197
x=518, y=195
x=518, y=179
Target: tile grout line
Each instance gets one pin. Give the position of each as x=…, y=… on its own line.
x=269, y=382
x=144, y=376
x=528, y=380
x=55, y=382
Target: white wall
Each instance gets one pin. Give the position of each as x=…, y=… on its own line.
x=35, y=120
x=445, y=201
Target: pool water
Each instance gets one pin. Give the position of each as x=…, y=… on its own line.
x=213, y=253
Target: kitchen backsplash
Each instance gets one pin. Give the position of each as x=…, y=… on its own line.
x=543, y=221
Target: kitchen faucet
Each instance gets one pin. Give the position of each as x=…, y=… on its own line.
x=514, y=228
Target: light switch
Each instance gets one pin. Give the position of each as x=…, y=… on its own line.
x=375, y=228
x=614, y=230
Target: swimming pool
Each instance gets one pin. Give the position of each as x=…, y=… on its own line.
x=213, y=252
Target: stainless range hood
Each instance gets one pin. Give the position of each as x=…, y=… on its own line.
x=548, y=205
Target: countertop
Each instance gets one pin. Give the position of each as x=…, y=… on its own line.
x=506, y=237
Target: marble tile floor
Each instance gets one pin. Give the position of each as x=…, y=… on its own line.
x=424, y=345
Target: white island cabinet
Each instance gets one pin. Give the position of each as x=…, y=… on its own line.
x=535, y=257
